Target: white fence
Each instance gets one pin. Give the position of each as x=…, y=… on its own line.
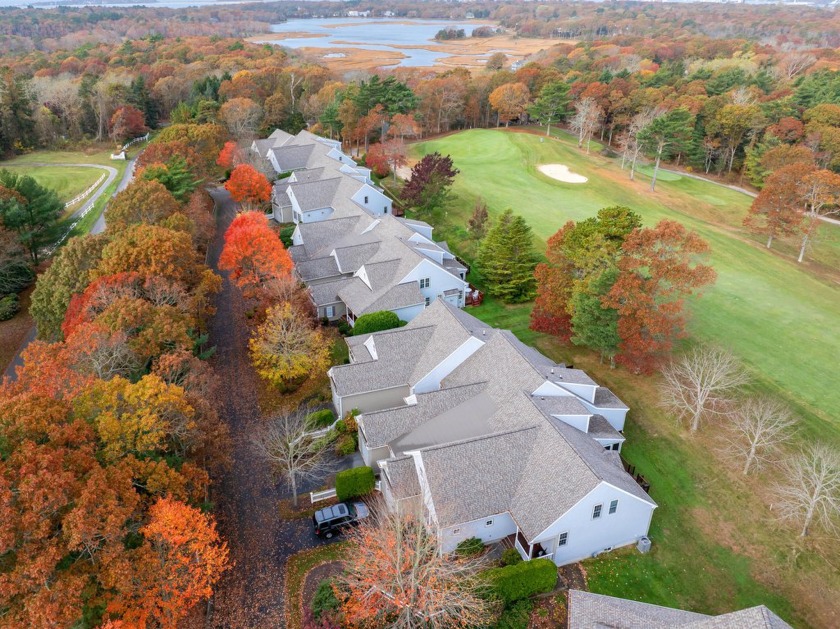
x=81, y=196
x=142, y=138
x=318, y=496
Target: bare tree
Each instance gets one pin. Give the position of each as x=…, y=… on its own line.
x=631, y=147
x=397, y=570
x=793, y=63
x=759, y=426
x=293, y=454
x=587, y=116
x=811, y=493
x=700, y=383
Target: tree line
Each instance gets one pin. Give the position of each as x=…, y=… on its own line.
x=109, y=434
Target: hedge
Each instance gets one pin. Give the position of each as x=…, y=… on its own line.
x=376, y=322
x=9, y=306
x=517, y=616
x=321, y=419
x=470, y=547
x=286, y=234
x=522, y=580
x=354, y=482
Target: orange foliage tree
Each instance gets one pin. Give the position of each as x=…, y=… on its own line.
x=253, y=252
x=230, y=156
x=248, y=187
x=659, y=268
x=142, y=202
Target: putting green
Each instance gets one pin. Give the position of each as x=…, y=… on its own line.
x=779, y=317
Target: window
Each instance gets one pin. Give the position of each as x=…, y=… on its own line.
x=488, y=523
x=428, y=301
x=596, y=512
x=615, y=446
x=424, y=282
x=613, y=506
x=385, y=209
x=564, y=537
x=366, y=200
x=329, y=311
x=456, y=531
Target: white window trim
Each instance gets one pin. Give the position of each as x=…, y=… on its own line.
x=613, y=508
x=489, y=522
x=597, y=511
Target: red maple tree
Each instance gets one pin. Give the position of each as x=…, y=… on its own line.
x=253, y=253
x=248, y=187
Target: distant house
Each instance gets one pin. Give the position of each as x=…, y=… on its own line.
x=595, y=611
x=491, y=438
x=348, y=248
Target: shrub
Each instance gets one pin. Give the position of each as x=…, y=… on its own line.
x=513, y=583
x=376, y=322
x=324, y=601
x=286, y=234
x=9, y=307
x=470, y=547
x=345, y=445
x=344, y=328
x=349, y=423
x=511, y=557
x=517, y=616
x=320, y=419
x=354, y=482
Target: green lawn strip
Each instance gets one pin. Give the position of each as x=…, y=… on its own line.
x=777, y=316
x=297, y=567
x=89, y=220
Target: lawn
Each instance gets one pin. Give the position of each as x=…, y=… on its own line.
x=716, y=545
x=779, y=317
x=67, y=181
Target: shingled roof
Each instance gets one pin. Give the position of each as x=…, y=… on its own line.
x=596, y=611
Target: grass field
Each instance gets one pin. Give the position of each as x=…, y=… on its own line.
x=716, y=544
x=779, y=317
x=67, y=181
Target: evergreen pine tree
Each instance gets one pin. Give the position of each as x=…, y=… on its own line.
x=506, y=259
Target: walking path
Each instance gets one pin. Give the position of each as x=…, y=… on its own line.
x=251, y=593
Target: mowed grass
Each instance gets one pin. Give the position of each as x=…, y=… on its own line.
x=67, y=181
x=779, y=317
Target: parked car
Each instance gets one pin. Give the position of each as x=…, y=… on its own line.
x=331, y=520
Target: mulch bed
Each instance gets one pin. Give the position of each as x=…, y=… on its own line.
x=316, y=575
x=572, y=577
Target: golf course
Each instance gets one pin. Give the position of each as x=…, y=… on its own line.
x=781, y=318
x=717, y=545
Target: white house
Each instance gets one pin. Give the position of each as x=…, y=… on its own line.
x=492, y=438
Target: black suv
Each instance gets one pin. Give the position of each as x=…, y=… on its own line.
x=330, y=521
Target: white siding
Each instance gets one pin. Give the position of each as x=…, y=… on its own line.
x=422, y=230
x=586, y=391
x=377, y=203
x=581, y=422
x=407, y=314
x=502, y=526
x=587, y=536
x=440, y=280
x=431, y=381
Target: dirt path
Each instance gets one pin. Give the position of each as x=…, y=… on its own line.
x=251, y=594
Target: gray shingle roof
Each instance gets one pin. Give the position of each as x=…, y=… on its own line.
x=600, y=428
x=596, y=611
x=318, y=268
x=383, y=427
x=560, y=405
x=327, y=293
x=604, y=398
x=402, y=476
x=315, y=195
x=320, y=238
x=292, y=157
x=396, y=349
x=351, y=258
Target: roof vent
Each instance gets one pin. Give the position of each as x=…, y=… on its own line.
x=552, y=370
x=484, y=333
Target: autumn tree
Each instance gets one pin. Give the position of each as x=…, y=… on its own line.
x=820, y=191
x=144, y=201
x=431, y=179
x=242, y=117
x=700, y=384
x=631, y=145
x=287, y=348
x=397, y=574
x=777, y=210
x=248, y=187
x=477, y=223
x=253, y=252
x=658, y=269
x=230, y=156
x=510, y=101
x=127, y=123
x=292, y=453
x=587, y=117
x=759, y=426
x=175, y=175
x=206, y=140
x=162, y=152
x=376, y=160
x=68, y=274
x=552, y=104
x=809, y=492
x=396, y=155
x=181, y=559
x=31, y=210
x=507, y=259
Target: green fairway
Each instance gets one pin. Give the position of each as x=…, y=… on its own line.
x=67, y=181
x=779, y=317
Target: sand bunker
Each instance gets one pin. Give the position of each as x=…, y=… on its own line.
x=561, y=172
